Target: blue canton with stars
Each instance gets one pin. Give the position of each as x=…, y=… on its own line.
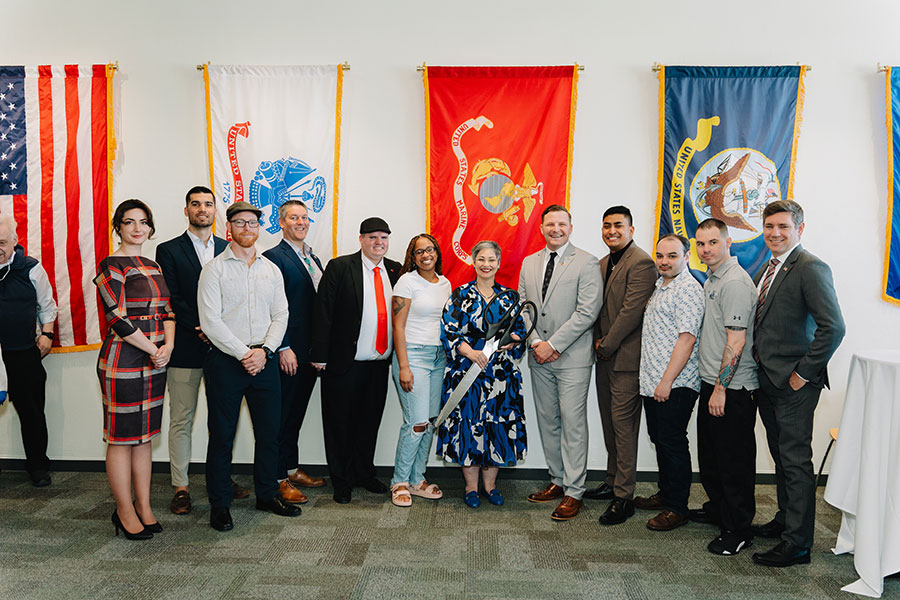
x=13, y=174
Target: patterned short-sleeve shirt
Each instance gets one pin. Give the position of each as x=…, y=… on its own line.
x=672, y=310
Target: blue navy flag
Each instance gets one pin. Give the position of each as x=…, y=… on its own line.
x=891, y=283
x=727, y=149
x=13, y=172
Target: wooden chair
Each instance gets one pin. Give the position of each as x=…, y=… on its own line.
x=833, y=432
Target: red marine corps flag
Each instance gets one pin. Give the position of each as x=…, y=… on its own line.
x=498, y=150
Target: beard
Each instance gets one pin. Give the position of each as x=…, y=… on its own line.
x=199, y=222
x=245, y=240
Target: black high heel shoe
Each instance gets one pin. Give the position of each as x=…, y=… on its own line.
x=144, y=534
x=152, y=527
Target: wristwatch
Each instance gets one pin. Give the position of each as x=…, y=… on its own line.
x=49, y=334
x=269, y=353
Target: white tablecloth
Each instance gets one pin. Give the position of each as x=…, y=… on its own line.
x=864, y=481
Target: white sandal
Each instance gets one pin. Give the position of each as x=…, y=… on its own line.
x=400, y=495
x=430, y=490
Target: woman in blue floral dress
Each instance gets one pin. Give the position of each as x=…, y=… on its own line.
x=487, y=429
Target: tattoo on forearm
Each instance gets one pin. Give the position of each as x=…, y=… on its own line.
x=398, y=304
x=730, y=361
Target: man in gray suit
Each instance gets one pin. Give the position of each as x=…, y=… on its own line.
x=798, y=328
x=629, y=276
x=564, y=283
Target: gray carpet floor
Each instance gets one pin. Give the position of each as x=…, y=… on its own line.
x=58, y=542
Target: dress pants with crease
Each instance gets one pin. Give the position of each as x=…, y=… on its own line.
x=788, y=418
x=230, y=385
x=295, y=392
x=352, y=405
x=560, y=399
x=618, y=394
x=27, y=379
x=726, y=453
x=184, y=386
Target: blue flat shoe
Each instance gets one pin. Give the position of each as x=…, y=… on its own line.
x=494, y=497
x=471, y=499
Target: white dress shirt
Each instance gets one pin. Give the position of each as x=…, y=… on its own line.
x=368, y=329
x=242, y=305
x=38, y=277
x=205, y=251
x=781, y=261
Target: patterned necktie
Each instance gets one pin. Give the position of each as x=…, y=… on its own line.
x=548, y=273
x=767, y=281
x=381, y=337
x=308, y=264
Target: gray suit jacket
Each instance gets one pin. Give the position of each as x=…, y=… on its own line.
x=567, y=314
x=801, y=324
x=624, y=299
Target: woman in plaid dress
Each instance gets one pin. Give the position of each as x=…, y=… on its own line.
x=132, y=366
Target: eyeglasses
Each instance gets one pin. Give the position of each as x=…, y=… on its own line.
x=243, y=223
x=428, y=250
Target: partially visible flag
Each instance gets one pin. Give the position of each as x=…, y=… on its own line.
x=728, y=140
x=56, y=152
x=498, y=151
x=274, y=135
x=892, y=237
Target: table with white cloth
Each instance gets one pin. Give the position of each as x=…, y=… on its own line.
x=864, y=480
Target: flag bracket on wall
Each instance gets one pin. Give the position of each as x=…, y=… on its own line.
x=345, y=66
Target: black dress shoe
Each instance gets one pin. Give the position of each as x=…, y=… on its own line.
x=374, y=486
x=39, y=478
x=278, y=506
x=603, y=492
x=342, y=495
x=773, y=529
x=618, y=512
x=701, y=515
x=220, y=519
x=140, y=535
x=784, y=554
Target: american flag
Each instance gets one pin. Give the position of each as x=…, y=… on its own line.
x=56, y=150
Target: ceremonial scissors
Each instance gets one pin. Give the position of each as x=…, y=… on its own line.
x=498, y=334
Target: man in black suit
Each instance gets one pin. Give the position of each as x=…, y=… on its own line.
x=798, y=328
x=302, y=272
x=181, y=259
x=351, y=345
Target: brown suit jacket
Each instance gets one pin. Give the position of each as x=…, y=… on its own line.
x=625, y=295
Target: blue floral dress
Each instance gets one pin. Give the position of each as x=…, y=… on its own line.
x=488, y=427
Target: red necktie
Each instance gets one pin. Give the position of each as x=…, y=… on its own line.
x=381, y=338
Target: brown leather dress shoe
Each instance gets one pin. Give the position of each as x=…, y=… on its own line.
x=654, y=502
x=299, y=478
x=238, y=492
x=290, y=494
x=181, y=503
x=551, y=492
x=567, y=509
x=666, y=521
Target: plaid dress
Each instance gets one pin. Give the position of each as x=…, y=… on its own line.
x=135, y=297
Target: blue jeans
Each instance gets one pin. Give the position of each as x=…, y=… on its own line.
x=423, y=402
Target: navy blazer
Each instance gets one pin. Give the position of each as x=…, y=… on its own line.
x=301, y=294
x=800, y=323
x=181, y=270
x=337, y=315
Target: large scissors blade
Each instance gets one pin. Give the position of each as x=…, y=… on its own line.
x=468, y=379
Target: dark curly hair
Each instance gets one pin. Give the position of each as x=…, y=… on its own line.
x=127, y=205
x=409, y=263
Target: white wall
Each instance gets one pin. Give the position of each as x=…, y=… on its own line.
x=162, y=146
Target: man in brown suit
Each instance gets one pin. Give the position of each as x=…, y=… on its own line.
x=629, y=276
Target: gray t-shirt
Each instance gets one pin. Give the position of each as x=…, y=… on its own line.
x=730, y=302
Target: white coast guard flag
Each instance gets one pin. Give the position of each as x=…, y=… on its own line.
x=273, y=136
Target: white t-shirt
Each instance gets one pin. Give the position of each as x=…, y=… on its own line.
x=427, y=300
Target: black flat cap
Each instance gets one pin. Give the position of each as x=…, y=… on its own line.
x=241, y=207
x=374, y=224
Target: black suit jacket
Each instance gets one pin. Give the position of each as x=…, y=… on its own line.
x=800, y=323
x=181, y=270
x=337, y=315
x=301, y=294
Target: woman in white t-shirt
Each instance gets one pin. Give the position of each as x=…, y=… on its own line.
x=418, y=364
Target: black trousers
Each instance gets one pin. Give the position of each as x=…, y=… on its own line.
x=726, y=451
x=788, y=418
x=27, y=379
x=227, y=384
x=295, y=393
x=352, y=405
x=667, y=424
